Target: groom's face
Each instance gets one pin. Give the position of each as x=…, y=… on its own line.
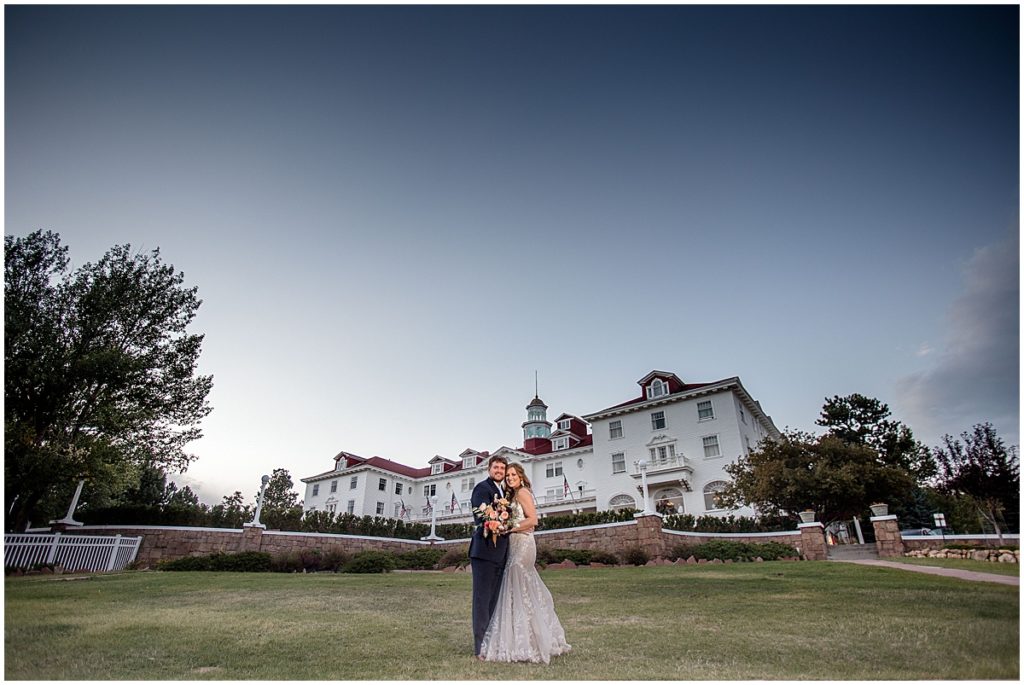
x=496, y=471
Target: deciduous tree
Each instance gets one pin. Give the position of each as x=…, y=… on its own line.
x=100, y=372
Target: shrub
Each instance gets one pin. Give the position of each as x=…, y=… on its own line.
x=601, y=557
x=590, y=518
x=289, y=562
x=635, y=556
x=737, y=551
x=727, y=524
x=419, y=559
x=576, y=556
x=458, y=556
x=218, y=561
x=371, y=561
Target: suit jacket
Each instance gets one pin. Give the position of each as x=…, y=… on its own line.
x=479, y=546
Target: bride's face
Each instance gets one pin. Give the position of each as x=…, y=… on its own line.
x=513, y=479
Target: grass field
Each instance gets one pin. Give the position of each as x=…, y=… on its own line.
x=964, y=565
x=773, y=620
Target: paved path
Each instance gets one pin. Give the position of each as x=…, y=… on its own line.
x=939, y=571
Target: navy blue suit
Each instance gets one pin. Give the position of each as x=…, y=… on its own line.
x=488, y=562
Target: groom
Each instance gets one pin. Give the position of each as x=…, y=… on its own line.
x=487, y=558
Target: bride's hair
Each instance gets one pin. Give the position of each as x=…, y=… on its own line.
x=521, y=472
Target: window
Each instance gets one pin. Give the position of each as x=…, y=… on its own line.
x=711, y=446
x=711, y=491
x=705, y=412
x=554, y=469
x=747, y=439
x=430, y=490
x=619, y=462
x=380, y=508
x=663, y=455
x=334, y=486
x=614, y=430
x=658, y=388
x=468, y=483
x=398, y=510
x=316, y=489
x=657, y=420
x=398, y=488
x=564, y=424
x=436, y=468
x=382, y=484
x=330, y=507
x=743, y=415
x=554, y=494
x=620, y=502
x=351, y=508
x=469, y=462
x=560, y=443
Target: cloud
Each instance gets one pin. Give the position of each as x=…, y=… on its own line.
x=974, y=376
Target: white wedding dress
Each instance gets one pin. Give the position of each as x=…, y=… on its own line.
x=524, y=626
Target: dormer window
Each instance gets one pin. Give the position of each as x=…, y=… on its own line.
x=560, y=443
x=658, y=388
x=469, y=462
x=564, y=424
x=436, y=468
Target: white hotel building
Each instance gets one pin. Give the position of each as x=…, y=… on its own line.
x=685, y=432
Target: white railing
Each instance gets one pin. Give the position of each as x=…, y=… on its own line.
x=667, y=464
x=71, y=552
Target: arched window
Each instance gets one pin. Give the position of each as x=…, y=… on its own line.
x=668, y=501
x=657, y=389
x=620, y=502
x=711, y=491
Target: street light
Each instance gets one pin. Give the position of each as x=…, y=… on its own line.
x=433, y=522
x=255, y=523
x=642, y=466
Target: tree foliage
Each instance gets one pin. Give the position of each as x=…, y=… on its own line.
x=984, y=470
x=860, y=420
x=281, y=506
x=100, y=372
x=835, y=478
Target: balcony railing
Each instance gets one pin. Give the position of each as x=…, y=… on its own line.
x=667, y=464
x=446, y=515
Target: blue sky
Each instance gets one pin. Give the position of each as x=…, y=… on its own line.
x=394, y=215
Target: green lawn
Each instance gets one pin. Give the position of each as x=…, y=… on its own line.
x=773, y=620
x=964, y=565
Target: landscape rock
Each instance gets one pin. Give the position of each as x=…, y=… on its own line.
x=449, y=569
x=758, y=559
x=691, y=559
x=1007, y=559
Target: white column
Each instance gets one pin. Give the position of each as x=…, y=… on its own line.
x=69, y=519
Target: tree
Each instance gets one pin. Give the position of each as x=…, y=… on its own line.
x=835, y=478
x=860, y=420
x=231, y=513
x=100, y=373
x=281, y=505
x=983, y=469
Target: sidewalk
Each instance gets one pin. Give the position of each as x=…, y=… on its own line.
x=937, y=571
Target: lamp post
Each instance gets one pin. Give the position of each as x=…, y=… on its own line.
x=433, y=537
x=255, y=523
x=642, y=465
x=69, y=519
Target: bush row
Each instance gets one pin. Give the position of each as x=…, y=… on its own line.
x=727, y=524
x=736, y=551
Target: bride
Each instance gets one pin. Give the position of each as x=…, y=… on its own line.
x=524, y=626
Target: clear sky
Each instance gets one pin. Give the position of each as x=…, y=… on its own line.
x=394, y=215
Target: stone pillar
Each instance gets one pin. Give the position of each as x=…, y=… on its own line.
x=888, y=540
x=650, y=538
x=252, y=538
x=812, y=541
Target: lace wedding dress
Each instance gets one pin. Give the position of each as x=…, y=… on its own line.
x=524, y=626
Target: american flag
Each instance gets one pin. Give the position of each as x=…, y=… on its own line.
x=565, y=486
x=455, y=503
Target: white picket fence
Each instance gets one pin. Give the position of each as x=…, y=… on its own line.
x=72, y=552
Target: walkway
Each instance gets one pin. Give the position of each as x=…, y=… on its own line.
x=938, y=571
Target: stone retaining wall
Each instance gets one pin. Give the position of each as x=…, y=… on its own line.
x=164, y=543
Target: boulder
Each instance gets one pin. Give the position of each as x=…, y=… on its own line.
x=450, y=569
x=980, y=555
x=597, y=564
x=728, y=561
x=1007, y=559
x=716, y=561
x=652, y=562
x=758, y=559
x=691, y=559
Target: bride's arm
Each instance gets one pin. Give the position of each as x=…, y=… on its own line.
x=529, y=521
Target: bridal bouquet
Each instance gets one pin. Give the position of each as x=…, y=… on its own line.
x=495, y=517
